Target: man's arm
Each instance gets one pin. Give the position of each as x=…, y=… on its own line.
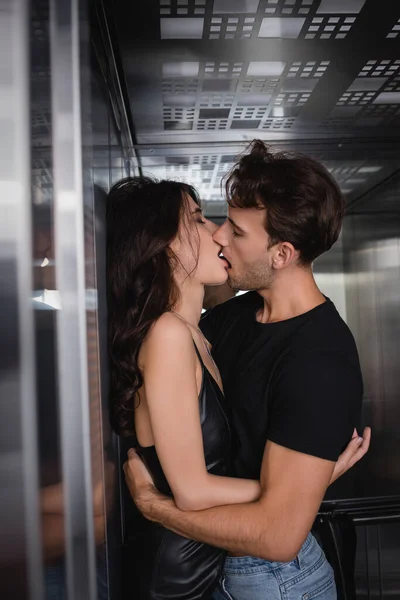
x=275, y=526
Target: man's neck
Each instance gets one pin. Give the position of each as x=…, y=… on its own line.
x=290, y=295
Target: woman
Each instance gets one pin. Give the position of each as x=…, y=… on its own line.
x=165, y=387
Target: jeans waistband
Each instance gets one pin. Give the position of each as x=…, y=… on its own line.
x=251, y=562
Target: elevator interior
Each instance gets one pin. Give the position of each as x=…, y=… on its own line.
x=321, y=77
x=175, y=89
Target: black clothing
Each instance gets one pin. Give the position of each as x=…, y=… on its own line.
x=296, y=382
x=171, y=566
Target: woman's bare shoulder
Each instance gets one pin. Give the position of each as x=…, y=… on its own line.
x=167, y=332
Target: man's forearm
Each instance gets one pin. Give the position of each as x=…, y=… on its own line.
x=239, y=528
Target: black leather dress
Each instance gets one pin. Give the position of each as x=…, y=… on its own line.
x=170, y=566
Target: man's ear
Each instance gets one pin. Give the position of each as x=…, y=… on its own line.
x=284, y=255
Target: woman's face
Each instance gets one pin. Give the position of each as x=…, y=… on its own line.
x=196, y=250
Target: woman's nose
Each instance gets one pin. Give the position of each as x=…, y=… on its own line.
x=213, y=227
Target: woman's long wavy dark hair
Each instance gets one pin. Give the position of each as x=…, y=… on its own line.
x=143, y=218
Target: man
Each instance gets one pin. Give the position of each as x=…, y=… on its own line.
x=291, y=373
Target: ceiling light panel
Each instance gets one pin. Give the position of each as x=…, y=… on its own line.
x=327, y=27
x=374, y=96
x=394, y=32
x=181, y=29
x=277, y=27
x=238, y=95
x=340, y=6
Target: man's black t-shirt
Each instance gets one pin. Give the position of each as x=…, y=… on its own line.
x=296, y=382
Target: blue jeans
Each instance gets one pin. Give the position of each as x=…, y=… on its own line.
x=308, y=577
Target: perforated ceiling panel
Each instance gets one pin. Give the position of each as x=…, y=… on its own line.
x=203, y=72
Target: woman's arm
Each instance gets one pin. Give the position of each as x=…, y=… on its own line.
x=169, y=362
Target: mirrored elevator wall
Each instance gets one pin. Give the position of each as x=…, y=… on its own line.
x=79, y=146
x=371, y=255
x=371, y=242
x=361, y=274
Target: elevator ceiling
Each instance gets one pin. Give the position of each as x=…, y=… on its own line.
x=205, y=76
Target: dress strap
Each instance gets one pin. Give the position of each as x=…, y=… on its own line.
x=198, y=353
x=194, y=343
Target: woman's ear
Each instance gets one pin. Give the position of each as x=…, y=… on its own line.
x=174, y=247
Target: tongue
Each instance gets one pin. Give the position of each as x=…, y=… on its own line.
x=225, y=260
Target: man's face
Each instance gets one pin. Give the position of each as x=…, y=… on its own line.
x=245, y=244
